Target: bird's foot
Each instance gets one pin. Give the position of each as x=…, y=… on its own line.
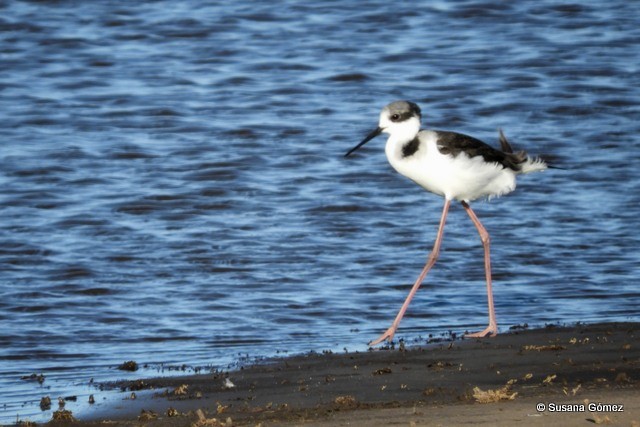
x=491, y=330
x=388, y=336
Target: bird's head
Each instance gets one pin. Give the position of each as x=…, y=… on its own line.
x=400, y=119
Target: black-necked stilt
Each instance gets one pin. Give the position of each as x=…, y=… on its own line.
x=455, y=166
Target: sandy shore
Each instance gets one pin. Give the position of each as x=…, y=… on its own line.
x=579, y=373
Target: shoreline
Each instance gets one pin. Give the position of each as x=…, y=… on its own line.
x=489, y=380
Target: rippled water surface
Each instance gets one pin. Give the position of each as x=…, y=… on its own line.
x=173, y=188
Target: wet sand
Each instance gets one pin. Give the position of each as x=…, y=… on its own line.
x=497, y=381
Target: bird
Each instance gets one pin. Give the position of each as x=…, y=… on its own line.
x=456, y=167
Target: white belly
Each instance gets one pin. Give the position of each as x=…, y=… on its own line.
x=456, y=178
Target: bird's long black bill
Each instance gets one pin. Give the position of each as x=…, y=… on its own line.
x=369, y=137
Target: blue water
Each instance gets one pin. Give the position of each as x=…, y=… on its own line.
x=173, y=188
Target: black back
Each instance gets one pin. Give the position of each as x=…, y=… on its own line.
x=455, y=143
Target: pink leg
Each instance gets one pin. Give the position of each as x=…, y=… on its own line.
x=433, y=256
x=492, y=329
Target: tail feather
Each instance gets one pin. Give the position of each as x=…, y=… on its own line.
x=533, y=164
x=527, y=164
x=504, y=143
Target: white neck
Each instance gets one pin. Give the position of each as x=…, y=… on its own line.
x=399, y=135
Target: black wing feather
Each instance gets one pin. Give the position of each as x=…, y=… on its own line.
x=454, y=143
